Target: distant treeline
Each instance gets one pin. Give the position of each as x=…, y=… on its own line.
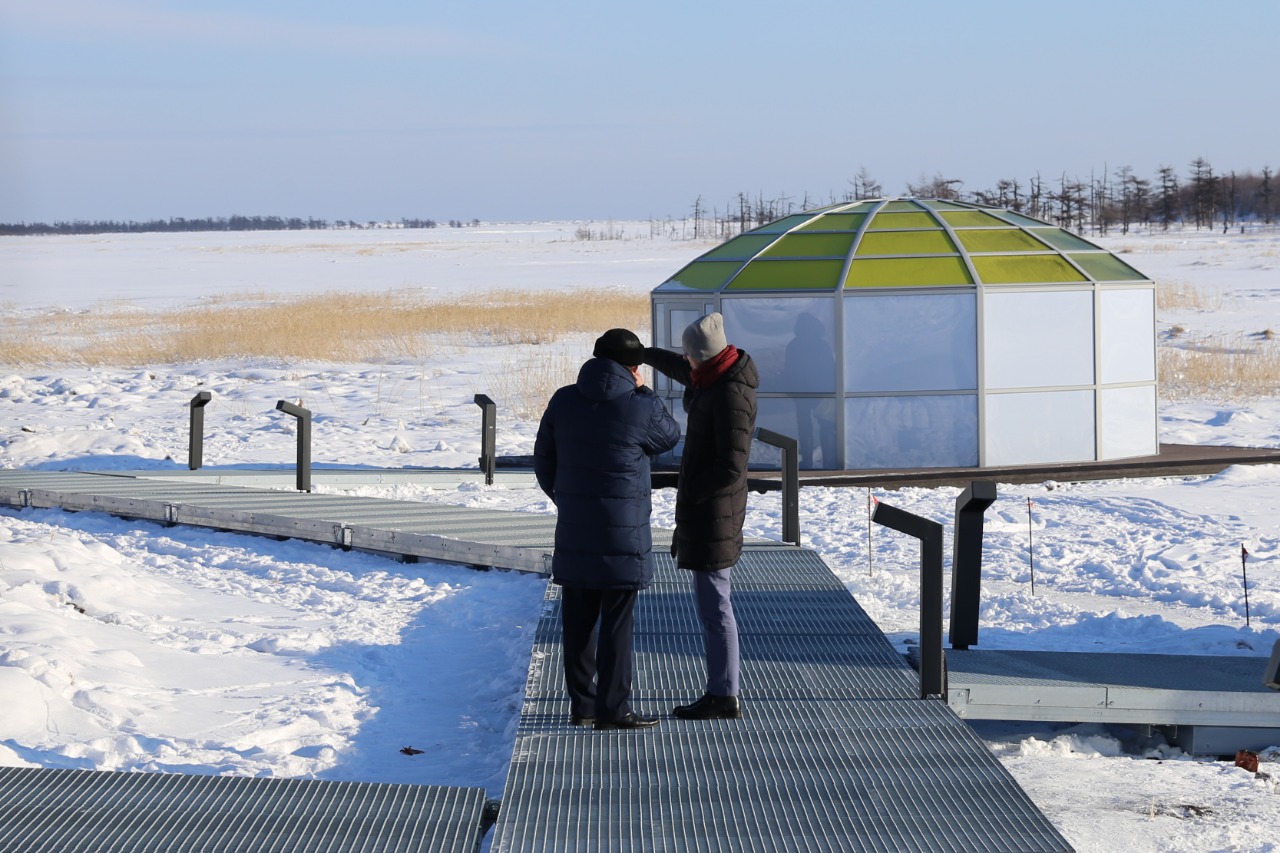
x=1105, y=201
x=218, y=223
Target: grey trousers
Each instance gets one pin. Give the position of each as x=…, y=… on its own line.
x=711, y=591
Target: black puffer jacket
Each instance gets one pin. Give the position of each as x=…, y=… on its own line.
x=711, y=499
x=591, y=457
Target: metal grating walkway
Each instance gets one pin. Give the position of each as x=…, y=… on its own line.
x=110, y=812
x=501, y=539
x=835, y=752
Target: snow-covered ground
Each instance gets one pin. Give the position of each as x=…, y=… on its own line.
x=128, y=645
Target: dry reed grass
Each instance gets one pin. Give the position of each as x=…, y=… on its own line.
x=327, y=327
x=1220, y=368
x=551, y=332
x=1184, y=296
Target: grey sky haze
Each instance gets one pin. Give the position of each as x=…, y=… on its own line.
x=140, y=109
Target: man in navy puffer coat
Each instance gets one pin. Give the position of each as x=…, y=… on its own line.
x=591, y=457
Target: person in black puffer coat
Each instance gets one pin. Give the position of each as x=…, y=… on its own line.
x=711, y=495
x=592, y=457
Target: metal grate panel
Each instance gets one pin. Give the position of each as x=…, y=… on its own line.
x=834, y=751
x=105, y=811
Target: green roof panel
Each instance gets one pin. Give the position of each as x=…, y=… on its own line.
x=906, y=243
x=782, y=225
x=1000, y=240
x=1104, y=266
x=741, y=248
x=1025, y=269
x=766, y=274
x=706, y=275
x=835, y=222
x=907, y=272
x=972, y=219
x=892, y=221
x=901, y=242
x=811, y=246
x=1064, y=240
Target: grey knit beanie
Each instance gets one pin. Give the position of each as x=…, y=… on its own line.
x=704, y=337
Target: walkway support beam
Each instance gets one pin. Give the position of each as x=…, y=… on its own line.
x=195, y=441
x=304, y=441
x=488, y=436
x=790, y=480
x=966, y=562
x=932, y=667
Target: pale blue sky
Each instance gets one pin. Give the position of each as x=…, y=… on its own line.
x=495, y=109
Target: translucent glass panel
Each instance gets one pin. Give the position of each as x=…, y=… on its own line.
x=906, y=243
x=1103, y=266
x=811, y=421
x=1025, y=269
x=1065, y=240
x=740, y=248
x=1000, y=240
x=1127, y=422
x=791, y=339
x=925, y=342
x=907, y=272
x=811, y=246
x=705, y=275
x=784, y=224
x=767, y=274
x=678, y=320
x=1036, y=340
x=835, y=222
x=911, y=432
x=1044, y=426
x=900, y=207
x=1019, y=219
x=892, y=221
x=972, y=218
x=1126, y=336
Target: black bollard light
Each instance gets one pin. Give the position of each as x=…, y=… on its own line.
x=304, y=441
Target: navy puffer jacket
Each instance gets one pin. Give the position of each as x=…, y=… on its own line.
x=591, y=457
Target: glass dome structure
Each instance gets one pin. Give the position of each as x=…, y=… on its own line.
x=915, y=333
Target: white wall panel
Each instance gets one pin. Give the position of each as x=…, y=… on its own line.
x=912, y=432
x=811, y=421
x=1126, y=320
x=1128, y=422
x=1042, y=426
x=926, y=342
x=1038, y=340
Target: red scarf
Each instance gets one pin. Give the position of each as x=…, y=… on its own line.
x=709, y=372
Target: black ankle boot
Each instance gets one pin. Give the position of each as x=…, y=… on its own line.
x=710, y=707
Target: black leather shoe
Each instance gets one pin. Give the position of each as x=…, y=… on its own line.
x=710, y=707
x=630, y=721
x=579, y=720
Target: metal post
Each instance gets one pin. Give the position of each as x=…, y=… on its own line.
x=195, y=442
x=790, y=481
x=966, y=562
x=932, y=666
x=488, y=436
x=304, y=441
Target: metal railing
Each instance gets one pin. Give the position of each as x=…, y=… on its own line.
x=933, y=681
x=790, y=480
